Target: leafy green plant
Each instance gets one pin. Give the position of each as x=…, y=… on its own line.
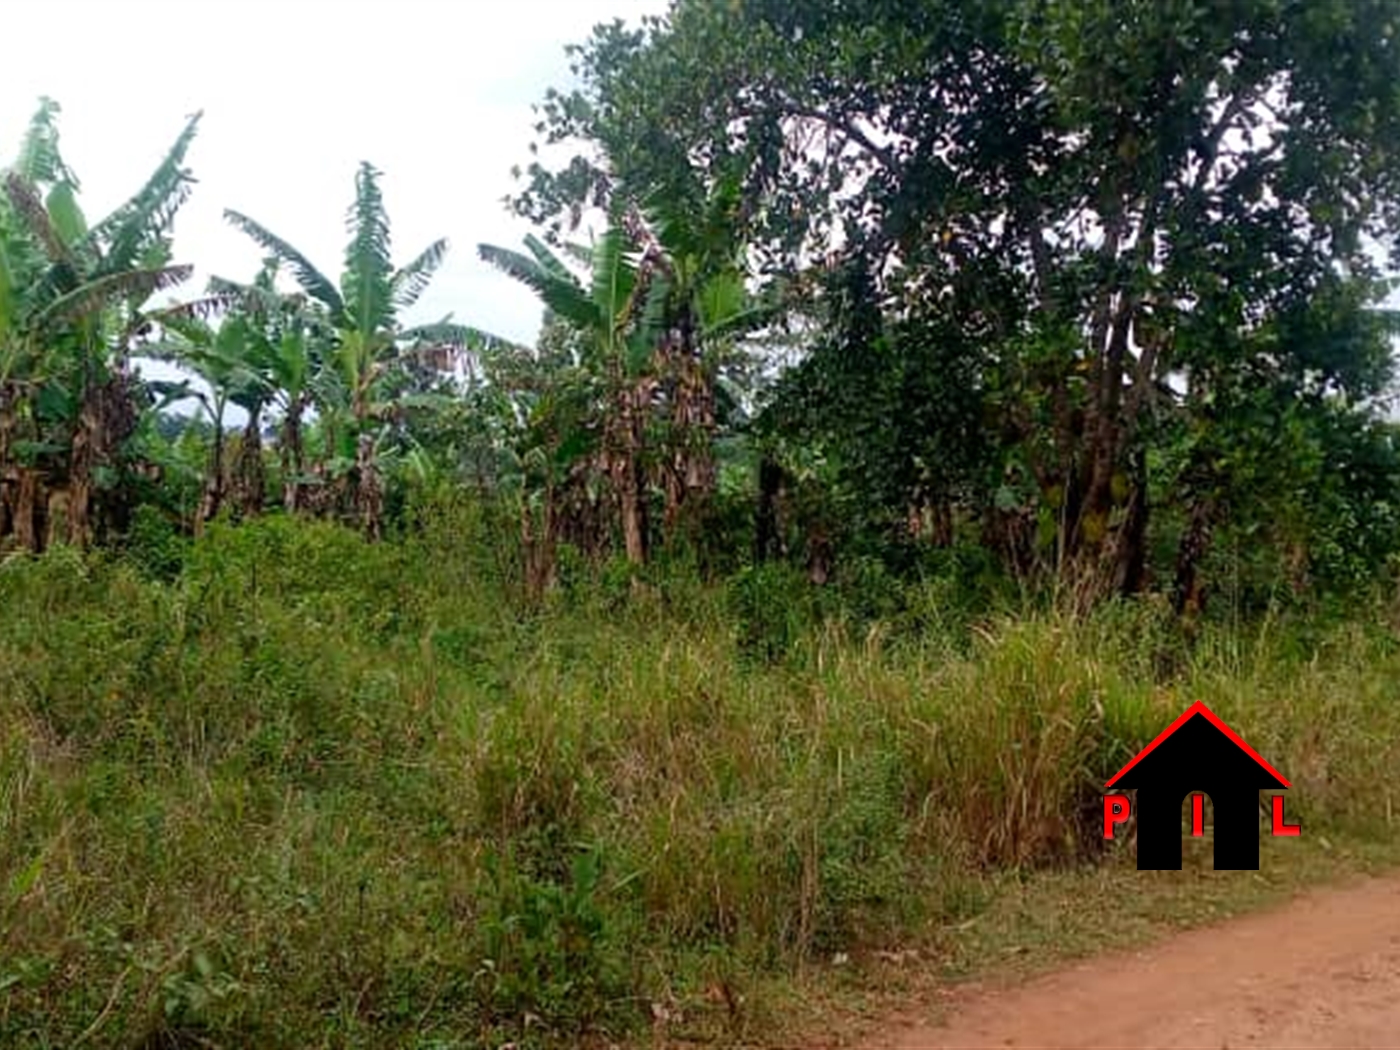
x=771, y=604
x=552, y=948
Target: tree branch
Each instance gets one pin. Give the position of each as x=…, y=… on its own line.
x=1216, y=136
x=881, y=153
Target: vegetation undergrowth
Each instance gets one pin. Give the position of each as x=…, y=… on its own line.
x=281, y=787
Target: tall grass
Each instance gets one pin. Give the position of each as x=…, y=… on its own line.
x=300, y=791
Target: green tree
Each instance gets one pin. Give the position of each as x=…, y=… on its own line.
x=616, y=317
x=225, y=360
x=370, y=343
x=706, y=313
x=1098, y=210
x=71, y=299
x=290, y=356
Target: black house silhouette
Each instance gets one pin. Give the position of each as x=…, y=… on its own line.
x=1198, y=752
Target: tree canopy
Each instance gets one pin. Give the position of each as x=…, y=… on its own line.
x=1085, y=286
x=1058, y=241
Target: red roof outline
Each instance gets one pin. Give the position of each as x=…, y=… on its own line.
x=1199, y=708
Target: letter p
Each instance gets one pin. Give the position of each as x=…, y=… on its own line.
x=1115, y=811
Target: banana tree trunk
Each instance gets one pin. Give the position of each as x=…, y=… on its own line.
x=634, y=525
x=767, y=542
x=213, y=499
x=82, y=459
x=9, y=420
x=673, y=485
x=29, y=508
x=107, y=418
x=931, y=519
x=691, y=473
x=819, y=554
x=676, y=467
x=369, y=492
x=628, y=476
x=691, y=479
x=293, y=457
x=580, y=512
x=58, y=514
x=249, y=472
x=700, y=468
x=622, y=461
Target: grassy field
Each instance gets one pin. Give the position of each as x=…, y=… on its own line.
x=285, y=789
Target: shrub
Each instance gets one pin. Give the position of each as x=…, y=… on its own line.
x=389, y=804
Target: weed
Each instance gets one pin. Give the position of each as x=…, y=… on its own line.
x=302, y=790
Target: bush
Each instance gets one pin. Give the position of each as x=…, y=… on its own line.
x=387, y=804
x=771, y=605
x=155, y=545
x=552, y=948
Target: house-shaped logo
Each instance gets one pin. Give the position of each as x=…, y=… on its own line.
x=1197, y=755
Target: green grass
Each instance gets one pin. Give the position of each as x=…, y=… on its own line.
x=310, y=793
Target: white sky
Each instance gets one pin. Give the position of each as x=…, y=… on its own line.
x=295, y=94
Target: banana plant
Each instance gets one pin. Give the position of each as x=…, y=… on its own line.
x=230, y=363
x=370, y=344
x=616, y=316
x=290, y=355
x=71, y=301
x=707, y=314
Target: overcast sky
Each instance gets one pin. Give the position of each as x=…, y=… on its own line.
x=295, y=94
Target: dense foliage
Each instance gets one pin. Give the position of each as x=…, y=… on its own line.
x=1086, y=276
x=910, y=374
x=282, y=787
x=1096, y=288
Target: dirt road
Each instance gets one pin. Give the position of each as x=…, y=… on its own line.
x=1320, y=971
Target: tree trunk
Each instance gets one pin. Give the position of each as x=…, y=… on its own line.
x=1188, y=593
x=1131, y=553
x=539, y=546
x=29, y=507
x=213, y=499
x=691, y=476
x=82, y=459
x=931, y=520
x=1011, y=534
x=249, y=473
x=700, y=472
x=942, y=531
x=579, y=517
x=819, y=554
x=674, y=368
x=1102, y=562
x=626, y=468
x=673, y=484
x=106, y=419
x=293, y=457
x=1090, y=536
x=634, y=525
x=369, y=493
x=770, y=483
x=58, y=511
x=9, y=420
